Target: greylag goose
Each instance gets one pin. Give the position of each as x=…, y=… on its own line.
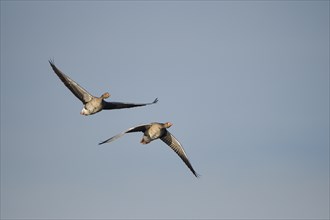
x=154, y=131
x=91, y=103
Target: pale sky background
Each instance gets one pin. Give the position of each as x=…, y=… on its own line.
x=245, y=83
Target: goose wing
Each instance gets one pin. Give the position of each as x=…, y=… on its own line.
x=173, y=143
x=118, y=105
x=141, y=128
x=74, y=87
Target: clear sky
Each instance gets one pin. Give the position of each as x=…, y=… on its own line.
x=245, y=84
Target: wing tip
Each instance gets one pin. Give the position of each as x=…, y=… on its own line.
x=51, y=61
x=103, y=142
x=197, y=175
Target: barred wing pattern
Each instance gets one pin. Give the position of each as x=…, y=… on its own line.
x=171, y=141
x=74, y=87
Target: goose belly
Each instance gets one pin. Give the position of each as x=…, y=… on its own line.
x=92, y=108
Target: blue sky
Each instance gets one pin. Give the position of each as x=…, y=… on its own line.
x=245, y=83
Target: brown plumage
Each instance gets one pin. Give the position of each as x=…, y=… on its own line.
x=91, y=103
x=155, y=131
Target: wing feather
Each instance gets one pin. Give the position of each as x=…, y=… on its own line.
x=173, y=143
x=139, y=128
x=74, y=87
x=119, y=105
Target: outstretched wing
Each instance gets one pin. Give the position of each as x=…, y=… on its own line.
x=141, y=128
x=171, y=141
x=74, y=87
x=118, y=105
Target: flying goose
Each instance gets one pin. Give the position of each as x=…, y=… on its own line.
x=91, y=103
x=154, y=131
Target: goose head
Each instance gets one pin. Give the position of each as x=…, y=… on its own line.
x=167, y=124
x=105, y=95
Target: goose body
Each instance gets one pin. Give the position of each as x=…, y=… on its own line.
x=91, y=103
x=154, y=131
